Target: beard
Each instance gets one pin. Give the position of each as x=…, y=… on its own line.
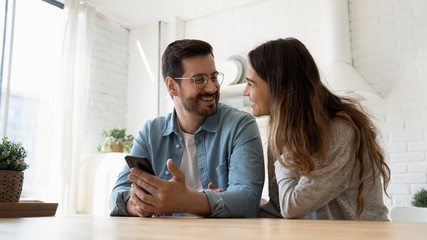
x=191, y=105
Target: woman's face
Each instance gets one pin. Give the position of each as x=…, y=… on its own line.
x=258, y=91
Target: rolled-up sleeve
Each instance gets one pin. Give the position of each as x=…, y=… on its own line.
x=119, y=200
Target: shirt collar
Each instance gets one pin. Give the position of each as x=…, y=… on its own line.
x=210, y=124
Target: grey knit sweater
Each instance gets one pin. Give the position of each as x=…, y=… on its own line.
x=326, y=192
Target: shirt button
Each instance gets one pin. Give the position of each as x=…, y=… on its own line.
x=177, y=146
x=167, y=172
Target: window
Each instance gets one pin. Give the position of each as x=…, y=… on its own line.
x=29, y=90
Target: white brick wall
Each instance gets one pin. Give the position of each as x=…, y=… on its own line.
x=108, y=82
x=399, y=31
x=389, y=47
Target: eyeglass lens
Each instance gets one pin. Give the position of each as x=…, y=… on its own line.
x=202, y=79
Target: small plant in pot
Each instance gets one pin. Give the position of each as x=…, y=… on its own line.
x=116, y=140
x=12, y=165
x=420, y=199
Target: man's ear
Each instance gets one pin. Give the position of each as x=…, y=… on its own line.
x=172, y=87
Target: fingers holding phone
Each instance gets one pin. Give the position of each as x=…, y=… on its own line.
x=143, y=180
x=135, y=206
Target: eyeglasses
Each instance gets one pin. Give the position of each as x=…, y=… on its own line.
x=200, y=80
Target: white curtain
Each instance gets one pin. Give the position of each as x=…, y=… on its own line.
x=75, y=73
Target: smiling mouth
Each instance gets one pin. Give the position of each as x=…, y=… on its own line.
x=211, y=98
x=208, y=98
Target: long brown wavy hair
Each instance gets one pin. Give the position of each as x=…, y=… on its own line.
x=302, y=107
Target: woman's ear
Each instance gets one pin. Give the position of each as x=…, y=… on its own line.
x=171, y=85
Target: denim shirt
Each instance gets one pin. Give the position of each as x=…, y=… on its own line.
x=229, y=154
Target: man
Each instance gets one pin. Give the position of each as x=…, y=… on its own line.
x=207, y=156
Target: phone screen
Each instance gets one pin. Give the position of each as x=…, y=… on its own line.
x=139, y=162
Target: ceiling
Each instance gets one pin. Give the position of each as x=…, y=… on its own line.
x=140, y=12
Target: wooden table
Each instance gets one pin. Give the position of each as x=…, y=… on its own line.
x=124, y=228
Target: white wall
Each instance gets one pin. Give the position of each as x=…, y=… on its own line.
x=389, y=44
x=108, y=82
x=241, y=29
x=143, y=76
x=147, y=94
x=390, y=51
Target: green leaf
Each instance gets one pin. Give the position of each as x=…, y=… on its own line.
x=420, y=199
x=12, y=156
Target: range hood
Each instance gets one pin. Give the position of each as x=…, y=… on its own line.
x=341, y=77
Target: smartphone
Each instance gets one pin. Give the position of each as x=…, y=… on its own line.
x=139, y=162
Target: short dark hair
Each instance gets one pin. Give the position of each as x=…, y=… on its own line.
x=181, y=49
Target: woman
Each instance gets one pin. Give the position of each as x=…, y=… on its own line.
x=329, y=163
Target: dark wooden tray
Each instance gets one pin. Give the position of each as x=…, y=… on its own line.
x=27, y=209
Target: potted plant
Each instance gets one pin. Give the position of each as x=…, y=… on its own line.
x=420, y=199
x=12, y=165
x=116, y=140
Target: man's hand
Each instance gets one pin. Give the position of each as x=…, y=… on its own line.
x=211, y=186
x=134, y=205
x=155, y=195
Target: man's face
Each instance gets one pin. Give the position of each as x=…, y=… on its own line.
x=200, y=102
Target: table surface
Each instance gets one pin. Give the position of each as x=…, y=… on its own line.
x=104, y=227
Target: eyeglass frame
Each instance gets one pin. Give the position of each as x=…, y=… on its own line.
x=204, y=81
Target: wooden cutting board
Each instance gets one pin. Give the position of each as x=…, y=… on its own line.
x=27, y=209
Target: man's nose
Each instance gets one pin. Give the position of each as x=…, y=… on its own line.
x=210, y=86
